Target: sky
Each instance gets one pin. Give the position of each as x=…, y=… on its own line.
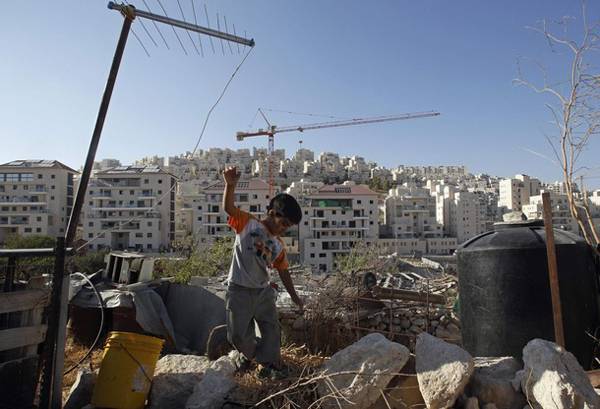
x=338, y=58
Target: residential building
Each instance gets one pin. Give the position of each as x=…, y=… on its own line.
x=410, y=212
x=36, y=198
x=561, y=215
x=130, y=207
x=463, y=214
x=515, y=192
x=335, y=219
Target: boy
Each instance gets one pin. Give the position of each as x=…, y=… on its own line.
x=250, y=296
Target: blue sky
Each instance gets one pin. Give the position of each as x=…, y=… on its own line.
x=342, y=58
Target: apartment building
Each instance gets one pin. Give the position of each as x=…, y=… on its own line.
x=561, y=215
x=130, y=207
x=335, y=219
x=410, y=212
x=210, y=219
x=463, y=214
x=515, y=192
x=36, y=198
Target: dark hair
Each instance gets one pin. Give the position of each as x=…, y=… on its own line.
x=286, y=206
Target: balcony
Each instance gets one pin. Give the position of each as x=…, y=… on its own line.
x=22, y=200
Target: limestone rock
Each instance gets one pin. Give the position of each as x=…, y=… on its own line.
x=81, y=392
x=443, y=371
x=375, y=360
x=174, y=379
x=491, y=382
x=215, y=385
x=554, y=379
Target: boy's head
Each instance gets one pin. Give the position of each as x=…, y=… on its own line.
x=283, y=212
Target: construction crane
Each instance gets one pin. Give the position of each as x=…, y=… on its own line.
x=273, y=130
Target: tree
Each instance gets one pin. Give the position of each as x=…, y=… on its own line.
x=575, y=111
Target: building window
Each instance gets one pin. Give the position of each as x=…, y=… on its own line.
x=27, y=229
x=149, y=246
x=149, y=235
x=53, y=176
x=90, y=235
x=91, y=224
x=38, y=230
x=322, y=255
x=159, y=181
x=312, y=255
x=39, y=219
x=359, y=202
x=149, y=224
x=146, y=181
x=52, y=187
x=39, y=176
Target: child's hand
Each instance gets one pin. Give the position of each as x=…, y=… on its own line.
x=231, y=175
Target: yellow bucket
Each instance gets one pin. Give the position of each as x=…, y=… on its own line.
x=126, y=371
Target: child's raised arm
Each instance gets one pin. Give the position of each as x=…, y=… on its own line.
x=231, y=177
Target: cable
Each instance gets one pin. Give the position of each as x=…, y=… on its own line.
x=208, y=25
x=101, y=303
x=193, y=152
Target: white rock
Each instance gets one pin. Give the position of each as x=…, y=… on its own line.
x=375, y=359
x=443, y=371
x=554, y=379
x=174, y=379
x=215, y=385
x=81, y=391
x=492, y=382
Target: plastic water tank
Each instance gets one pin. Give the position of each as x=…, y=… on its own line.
x=505, y=296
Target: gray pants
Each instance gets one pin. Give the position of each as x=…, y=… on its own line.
x=244, y=306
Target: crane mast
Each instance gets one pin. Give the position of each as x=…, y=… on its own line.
x=273, y=130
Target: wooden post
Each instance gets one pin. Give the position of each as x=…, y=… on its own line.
x=559, y=334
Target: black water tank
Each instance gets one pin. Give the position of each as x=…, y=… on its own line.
x=505, y=290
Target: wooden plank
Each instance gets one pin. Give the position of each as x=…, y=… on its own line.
x=559, y=334
x=23, y=300
x=20, y=337
x=407, y=295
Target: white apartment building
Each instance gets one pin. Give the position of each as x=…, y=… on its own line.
x=515, y=192
x=358, y=170
x=463, y=214
x=36, y=198
x=561, y=215
x=335, y=219
x=130, y=207
x=410, y=212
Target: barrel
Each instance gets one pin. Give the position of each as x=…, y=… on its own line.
x=504, y=291
x=126, y=371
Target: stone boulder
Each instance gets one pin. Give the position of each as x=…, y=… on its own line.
x=374, y=361
x=174, y=379
x=82, y=389
x=553, y=378
x=215, y=385
x=443, y=371
x=491, y=382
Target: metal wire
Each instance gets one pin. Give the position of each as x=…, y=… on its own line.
x=187, y=31
x=235, y=34
x=208, y=25
x=219, y=28
x=227, y=31
x=196, y=22
x=173, y=28
x=156, y=26
x=208, y=115
x=140, y=41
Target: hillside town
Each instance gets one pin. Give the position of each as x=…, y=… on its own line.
x=157, y=202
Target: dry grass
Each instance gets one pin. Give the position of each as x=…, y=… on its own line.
x=73, y=353
x=300, y=362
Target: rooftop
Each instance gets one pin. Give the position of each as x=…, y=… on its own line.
x=250, y=184
x=131, y=169
x=37, y=163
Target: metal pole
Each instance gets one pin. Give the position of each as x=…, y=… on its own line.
x=559, y=335
x=184, y=25
x=89, y=161
x=50, y=350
